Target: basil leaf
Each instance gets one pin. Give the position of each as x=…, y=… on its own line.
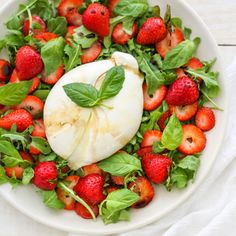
x=73, y=57
x=190, y=162
x=57, y=25
x=52, y=54
x=84, y=95
x=121, y=164
x=50, y=199
x=172, y=134
x=42, y=94
x=113, y=83
x=28, y=174
x=179, y=55
x=179, y=178
x=3, y=177
x=176, y=22
x=13, y=94
x=187, y=33
x=41, y=144
x=134, y=8
x=128, y=25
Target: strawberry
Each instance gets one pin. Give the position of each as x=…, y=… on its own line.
x=33, y=150
x=111, y=6
x=184, y=113
x=28, y=63
x=74, y=18
x=205, y=118
x=96, y=18
x=44, y=37
x=194, y=63
x=150, y=137
x=90, y=188
x=45, y=175
x=152, y=31
x=39, y=129
x=153, y=101
x=194, y=140
x=92, y=169
x=15, y=79
x=119, y=35
x=144, y=189
x=84, y=213
x=54, y=77
x=92, y=53
x=169, y=42
x=180, y=72
x=142, y=151
x=163, y=120
x=111, y=189
x=20, y=117
x=5, y=70
x=156, y=167
x=69, y=34
x=183, y=91
x=118, y=180
x=63, y=196
x=33, y=105
x=38, y=26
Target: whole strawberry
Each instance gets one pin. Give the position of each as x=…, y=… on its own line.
x=28, y=63
x=45, y=175
x=152, y=31
x=20, y=117
x=97, y=19
x=183, y=91
x=90, y=188
x=156, y=167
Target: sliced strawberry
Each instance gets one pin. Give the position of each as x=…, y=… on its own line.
x=150, y=137
x=111, y=189
x=92, y=53
x=119, y=35
x=205, y=119
x=84, y=213
x=54, y=77
x=44, y=37
x=74, y=18
x=38, y=26
x=69, y=34
x=111, y=6
x=118, y=180
x=194, y=63
x=39, y=129
x=163, y=120
x=33, y=150
x=180, y=72
x=193, y=141
x=92, y=169
x=153, y=101
x=184, y=113
x=143, y=151
x=5, y=70
x=176, y=37
x=33, y=105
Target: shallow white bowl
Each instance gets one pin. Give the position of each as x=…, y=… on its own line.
x=29, y=202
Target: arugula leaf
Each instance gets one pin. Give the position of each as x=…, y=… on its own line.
x=50, y=199
x=42, y=94
x=158, y=147
x=43, y=8
x=52, y=54
x=179, y=178
x=15, y=23
x=73, y=57
x=176, y=22
x=3, y=177
x=28, y=174
x=41, y=144
x=57, y=25
x=121, y=164
x=190, y=162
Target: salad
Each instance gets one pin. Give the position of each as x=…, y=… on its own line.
x=46, y=39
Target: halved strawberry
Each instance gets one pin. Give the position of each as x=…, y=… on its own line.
x=119, y=35
x=5, y=70
x=153, y=101
x=111, y=6
x=38, y=26
x=33, y=150
x=118, y=180
x=143, y=151
x=92, y=169
x=44, y=37
x=184, y=113
x=194, y=140
x=194, y=63
x=176, y=37
x=74, y=18
x=39, y=129
x=92, y=53
x=84, y=213
x=70, y=32
x=205, y=119
x=163, y=120
x=180, y=72
x=33, y=105
x=54, y=77
x=111, y=189
x=150, y=137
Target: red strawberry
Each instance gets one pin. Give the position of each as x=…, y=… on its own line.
x=142, y=151
x=74, y=18
x=39, y=27
x=111, y=189
x=152, y=31
x=92, y=169
x=193, y=141
x=33, y=150
x=92, y=53
x=184, y=113
x=183, y=91
x=118, y=180
x=171, y=41
x=5, y=70
x=163, y=120
x=28, y=63
x=180, y=72
x=39, y=129
x=90, y=188
x=84, y=213
x=144, y=189
x=20, y=117
x=156, y=167
x=63, y=196
x=45, y=36
x=45, y=175
x=54, y=77
x=97, y=19
x=150, y=137
x=153, y=101
x=205, y=118
x=194, y=63
x=111, y=6
x=33, y=105
x=69, y=34
x=119, y=35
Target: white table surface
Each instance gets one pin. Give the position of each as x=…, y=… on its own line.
x=220, y=16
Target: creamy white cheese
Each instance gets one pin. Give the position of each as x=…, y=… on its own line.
x=87, y=135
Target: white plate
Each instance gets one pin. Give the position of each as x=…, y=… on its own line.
x=29, y=202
